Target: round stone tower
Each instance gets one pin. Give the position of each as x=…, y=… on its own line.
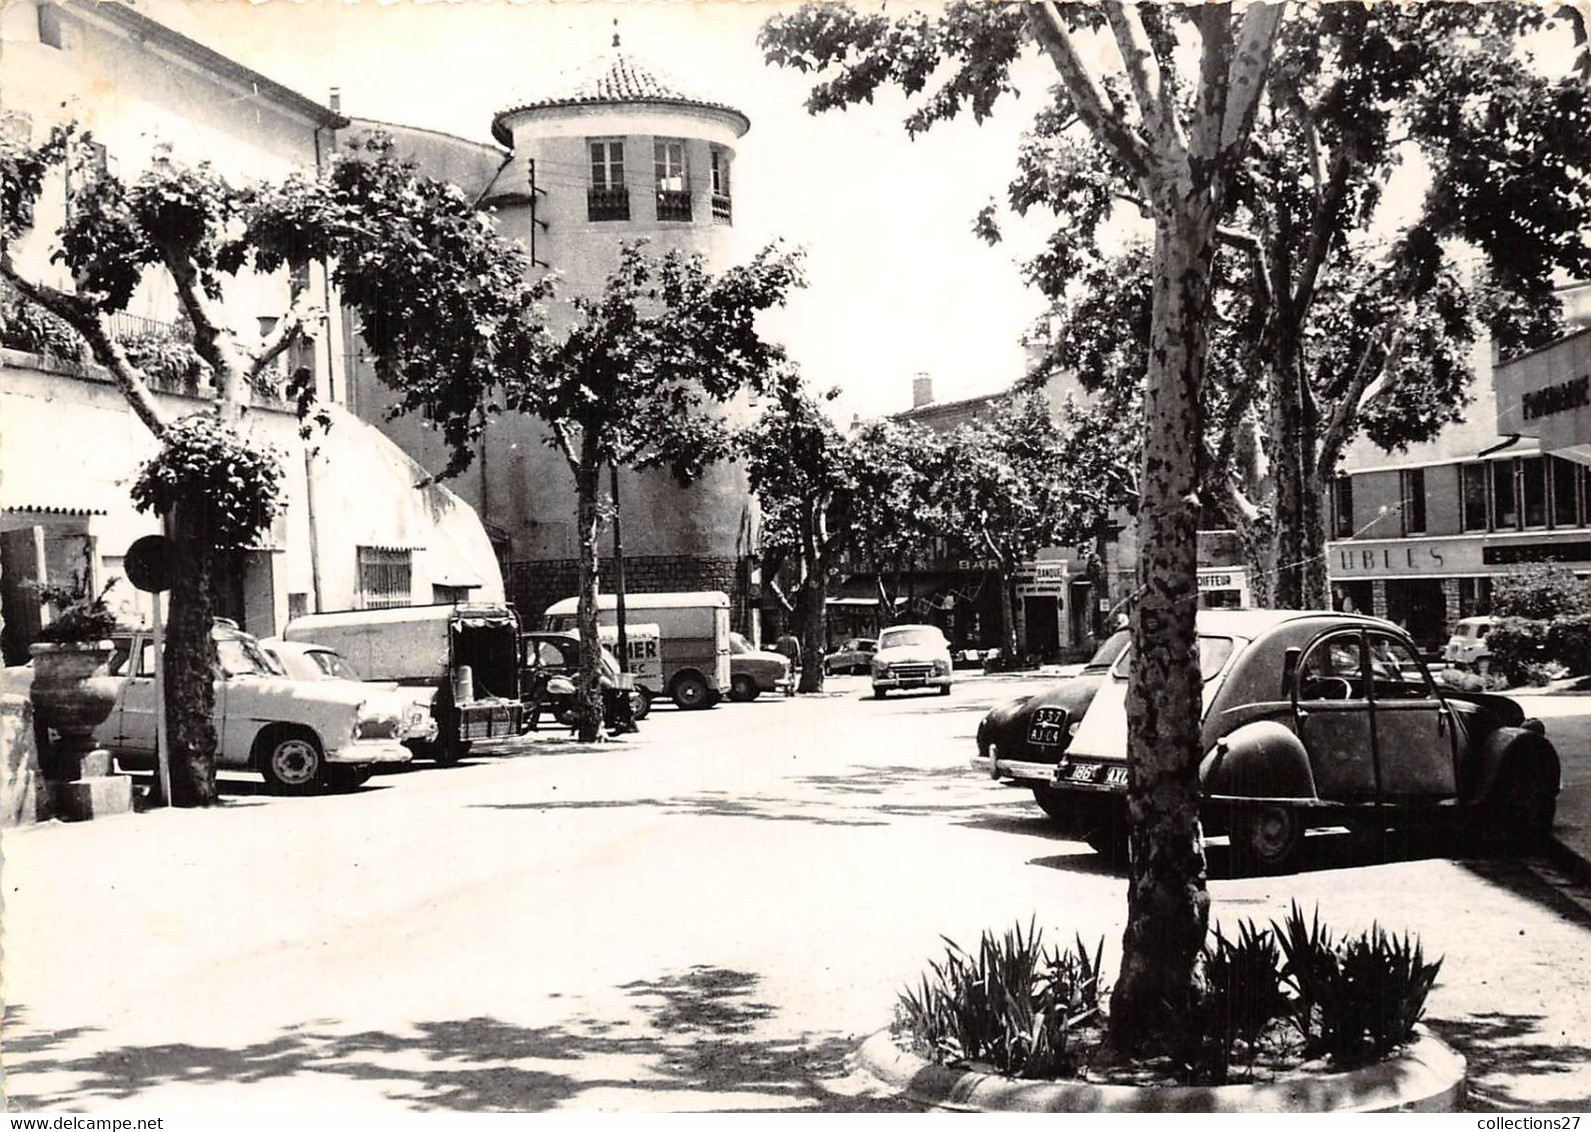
x=615, y=154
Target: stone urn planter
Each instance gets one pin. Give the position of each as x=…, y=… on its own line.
x=73, y=694
x=1423, y=1076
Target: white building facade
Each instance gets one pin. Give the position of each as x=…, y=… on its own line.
x=356, y=530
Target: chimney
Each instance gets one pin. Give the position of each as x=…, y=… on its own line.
x=922, y=390
x=335, y=102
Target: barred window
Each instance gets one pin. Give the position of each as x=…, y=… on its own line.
x=384, y=577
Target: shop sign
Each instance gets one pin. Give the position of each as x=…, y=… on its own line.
x=1547, y=394
x=1391, y=559
x=1042, y=579
x=1224, y=578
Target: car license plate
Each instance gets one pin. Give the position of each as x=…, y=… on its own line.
x=1045, y=734
x=911, y=682
x=1107, y=774
x=1046, y=728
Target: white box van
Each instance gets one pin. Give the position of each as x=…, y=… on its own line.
x=693, y=639
x=469, y=653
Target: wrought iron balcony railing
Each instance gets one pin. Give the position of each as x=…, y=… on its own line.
x=673, y=205
x=607, y=204
x=721, y=208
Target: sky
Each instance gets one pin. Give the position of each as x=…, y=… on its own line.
x=897, y=282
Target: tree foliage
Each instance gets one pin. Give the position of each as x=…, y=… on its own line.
x=639, y=381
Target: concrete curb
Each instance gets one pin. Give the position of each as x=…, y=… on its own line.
x=1425, y=1076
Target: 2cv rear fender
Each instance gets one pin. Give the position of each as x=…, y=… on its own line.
x=1263, y=759
x=1509, y=752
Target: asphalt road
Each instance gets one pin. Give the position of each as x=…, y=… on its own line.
x=708, y=916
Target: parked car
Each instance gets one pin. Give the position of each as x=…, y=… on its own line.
x=911, y=656
x=1020, y=741
x=1313, y=719
x=1466, y=648
x=548, y=671
x=299, y=660
x=855, y=655
x=299, y=735
x=753, y=671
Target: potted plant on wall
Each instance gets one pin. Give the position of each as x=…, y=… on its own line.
x=72, y=692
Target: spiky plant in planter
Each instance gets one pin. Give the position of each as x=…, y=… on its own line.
x=1271, y=999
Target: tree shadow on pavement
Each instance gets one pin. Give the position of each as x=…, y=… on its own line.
x=1521, y=878
x=696, y=1040
x=1509, y=1055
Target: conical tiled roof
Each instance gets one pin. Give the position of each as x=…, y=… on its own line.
x=614, y=79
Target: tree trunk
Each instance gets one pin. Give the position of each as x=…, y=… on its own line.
x=1257, y=538
x=1291, y=466
x=588, y=691
x=810, y=612
x=1168, y=906
x=189, y=667
x=1008, y=646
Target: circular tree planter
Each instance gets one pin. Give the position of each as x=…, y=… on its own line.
x=73, y=695
x=1423, y=1076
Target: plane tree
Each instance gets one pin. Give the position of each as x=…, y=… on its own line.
x=1418, y=177
x=435, y=289
x=640, y=381
x=1176, y=137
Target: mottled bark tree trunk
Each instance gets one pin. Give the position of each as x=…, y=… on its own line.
x=811, y=602
x=588, y=692
x=189, y=665
x=1008, y=645
x=1168, y=906
x=1290, y=467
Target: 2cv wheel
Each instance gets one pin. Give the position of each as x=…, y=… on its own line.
x=1266, y=838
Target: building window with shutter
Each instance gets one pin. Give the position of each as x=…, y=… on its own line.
x=721, y=204
x=673, y=179
x=384, y=577
x=607, y=198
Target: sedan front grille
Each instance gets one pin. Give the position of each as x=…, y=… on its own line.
x=911, y=671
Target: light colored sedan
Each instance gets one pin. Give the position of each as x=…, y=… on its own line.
x=911, y=656
x=302, y=661
x=299, y=735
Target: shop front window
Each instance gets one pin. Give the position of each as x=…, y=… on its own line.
x=1565, y=492
x=1505, y=502
x=1474, y=478
x=1533, y=490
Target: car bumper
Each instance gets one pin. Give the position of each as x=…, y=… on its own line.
x=1015, y=771
x=890, y=683
x=367, y=752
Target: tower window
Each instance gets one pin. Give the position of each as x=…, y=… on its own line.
x=721, y=205
x=607, y=198
x=673, y=179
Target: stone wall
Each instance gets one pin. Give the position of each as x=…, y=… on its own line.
x=533, y=586
x=23, y=799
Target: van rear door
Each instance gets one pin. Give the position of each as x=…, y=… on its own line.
x=721, y=639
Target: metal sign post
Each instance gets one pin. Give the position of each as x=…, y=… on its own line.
x=162, y=744
x=148, y=568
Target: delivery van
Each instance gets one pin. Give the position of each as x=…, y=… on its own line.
x=643, y=643
x=693, y=640
x=468, y=653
